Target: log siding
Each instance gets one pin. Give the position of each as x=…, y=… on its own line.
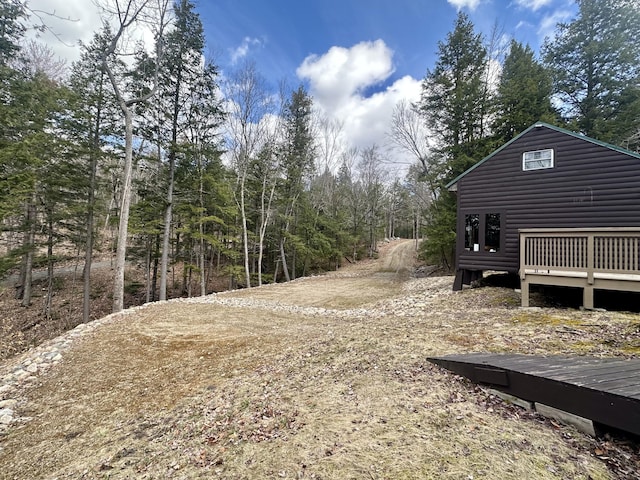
x=591, y=185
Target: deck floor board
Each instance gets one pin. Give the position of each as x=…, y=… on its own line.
x=604, y=390
x=595, y=375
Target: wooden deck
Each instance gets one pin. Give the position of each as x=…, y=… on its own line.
x=604, y=390
x=591, y=259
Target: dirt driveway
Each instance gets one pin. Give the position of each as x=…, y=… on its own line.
x=324, y=378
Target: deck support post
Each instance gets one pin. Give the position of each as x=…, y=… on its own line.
x=587, y=297
x=465, y=277
x=524, y=293
x=457, y=283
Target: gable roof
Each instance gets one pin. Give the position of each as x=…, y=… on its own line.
x=451, y=186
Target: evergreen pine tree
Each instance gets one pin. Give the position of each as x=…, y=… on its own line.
x=298, y=155
x=524, y=93
x=454, y=98
x=11, y=30
x=595, y=60
x=455, y=101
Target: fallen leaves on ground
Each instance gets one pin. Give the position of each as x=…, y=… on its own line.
x=298, y=382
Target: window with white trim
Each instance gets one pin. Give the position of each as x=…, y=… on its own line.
x=537, y=160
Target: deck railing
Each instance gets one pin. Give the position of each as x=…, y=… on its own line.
x=605, y=257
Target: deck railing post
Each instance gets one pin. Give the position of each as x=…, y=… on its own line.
x=590, y=257
x=587, y=293
x=524, y=285
x=604, y=258
x=523, y=244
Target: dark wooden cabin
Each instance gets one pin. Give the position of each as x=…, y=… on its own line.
x=556, y=207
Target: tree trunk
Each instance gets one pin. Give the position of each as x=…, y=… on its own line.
x=154, y=277
x=91, y=204
x=265, y=215
x=164, y=263
x=147, y=273
x=285, y=230
x=30, y=245
x=177, y=256
x=293, y=263
x=123, y=225
x=23, y=262
x=283, y=260
x=190, y=278
x=203, y=259
x=172, y=167
x=245, y=233
x=49, y=298
x=203, y=269
x=88, y=254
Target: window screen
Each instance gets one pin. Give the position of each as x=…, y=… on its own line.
x=537, y=159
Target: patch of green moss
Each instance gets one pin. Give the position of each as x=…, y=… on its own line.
x=631, y=349
x=582, y=347
x=537, y=318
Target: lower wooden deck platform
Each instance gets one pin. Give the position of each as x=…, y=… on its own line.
x=604, y=390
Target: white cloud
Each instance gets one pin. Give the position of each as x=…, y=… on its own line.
x=367, y=121
x=68, y=22
x=341, y=73
x=548, y=23
x=339, y=80
x=460, y=4
x=534, y=5
x=243, y=49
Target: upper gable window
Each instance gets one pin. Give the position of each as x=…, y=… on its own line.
x=537, y=159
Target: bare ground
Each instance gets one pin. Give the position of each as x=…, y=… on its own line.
x=323, y=378
x=24, y=327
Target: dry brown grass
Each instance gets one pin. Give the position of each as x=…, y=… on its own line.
x=212, y=390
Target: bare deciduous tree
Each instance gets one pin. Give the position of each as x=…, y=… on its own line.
x=371, y=177
x=248, y=102
x=39, y=58
x=127, y=16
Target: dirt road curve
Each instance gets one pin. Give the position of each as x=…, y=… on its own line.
x=400, y=257
x=321, y=378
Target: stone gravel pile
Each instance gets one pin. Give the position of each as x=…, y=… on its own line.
x=25, y=368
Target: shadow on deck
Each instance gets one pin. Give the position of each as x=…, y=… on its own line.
x=605, y=391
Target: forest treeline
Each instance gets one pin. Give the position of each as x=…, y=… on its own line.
x=151, y=156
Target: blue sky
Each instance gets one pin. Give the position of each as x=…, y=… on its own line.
x=280, y=34
x=358, y=58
